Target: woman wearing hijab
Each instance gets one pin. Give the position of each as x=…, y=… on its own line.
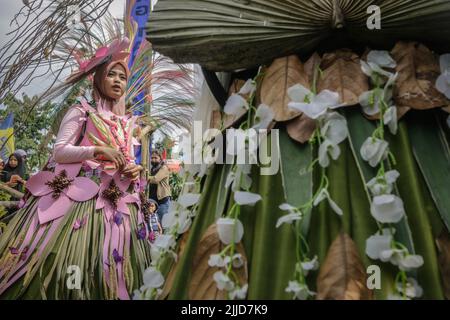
x=13, y=174
x=82, y=234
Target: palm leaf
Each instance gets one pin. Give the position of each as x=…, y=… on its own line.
x=432, y=152
x=228, y=34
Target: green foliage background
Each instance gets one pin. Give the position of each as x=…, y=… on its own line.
x=33, y=133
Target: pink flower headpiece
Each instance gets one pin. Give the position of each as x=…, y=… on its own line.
x=118, y=50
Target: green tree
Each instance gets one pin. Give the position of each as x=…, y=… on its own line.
x=31, y=128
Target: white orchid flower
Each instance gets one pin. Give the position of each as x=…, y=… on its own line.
x=239, y=293
x=390, y=119
x=407, y=262
x=384, y=184
x=372, y=100
x=313, y=106
x=223, y=282
x=444, y=62
x=328, y=149
x=244, y=198
x=323, y=194
x=374, y=151
x=230, y=230
x=335, y=128
x=239, y=178
x=443, y=81
x=299, y=93
x=152, y=278
x=216, y=260
x=263, y=117
x=387, y=208
x=381, y=58
x=376, y=61
x=248, y=88
x=188, y=199
x=443, y=84
x=412, y=288
x=236, y=105
x=300, y=291
x=310, y=265
x=378, y=243
x=288, y=219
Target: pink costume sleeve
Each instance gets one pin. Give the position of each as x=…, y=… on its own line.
x=69, y=133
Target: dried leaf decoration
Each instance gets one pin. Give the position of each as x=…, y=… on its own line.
x=282, y=74
x=342, y=275
x=174, y=269
x=301, y=128
x=341, y=73
x=312, y=66
x=202, y=285
x=418, y=70
x=443, y=244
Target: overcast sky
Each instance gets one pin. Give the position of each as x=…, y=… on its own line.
x=10, y=7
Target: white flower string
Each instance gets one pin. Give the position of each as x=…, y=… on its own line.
x=386, y=207
x=330, y=132
x=230, y=229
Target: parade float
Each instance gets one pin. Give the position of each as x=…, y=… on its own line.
x=357, y=93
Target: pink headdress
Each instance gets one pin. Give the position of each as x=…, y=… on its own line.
x=118, y=50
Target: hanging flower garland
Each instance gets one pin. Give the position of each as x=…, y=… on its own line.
x=386, y=207
x=230, y=229
x=331, y=131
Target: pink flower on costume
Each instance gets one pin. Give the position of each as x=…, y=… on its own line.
x=57, y=190
x=113, y=195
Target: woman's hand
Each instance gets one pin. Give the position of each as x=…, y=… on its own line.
x=132, y=171
x=112, y=155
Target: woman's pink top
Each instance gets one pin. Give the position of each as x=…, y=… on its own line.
x=70, y=130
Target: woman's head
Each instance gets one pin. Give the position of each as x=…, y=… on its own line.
x=13, y=161
x=110, y=80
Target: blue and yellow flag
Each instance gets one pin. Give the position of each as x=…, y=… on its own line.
x=6, y=130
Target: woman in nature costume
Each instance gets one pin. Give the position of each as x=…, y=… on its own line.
x=359, y=208
x=81, y=233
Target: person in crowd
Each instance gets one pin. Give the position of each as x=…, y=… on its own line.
x=152, y=219
x=14, y=173
x=159, y=187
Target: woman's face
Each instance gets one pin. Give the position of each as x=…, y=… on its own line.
x=2, y=165
x=116, y=82
x=152, y=207
x=13, y=162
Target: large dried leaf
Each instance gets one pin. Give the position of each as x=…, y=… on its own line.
x=202, y=285
x=312, y=67
x=301, y=128
x=443, y=244
x=230, y=34
x=282, y=74
x=341, y=73
x=342, y=275
x=418, y=69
